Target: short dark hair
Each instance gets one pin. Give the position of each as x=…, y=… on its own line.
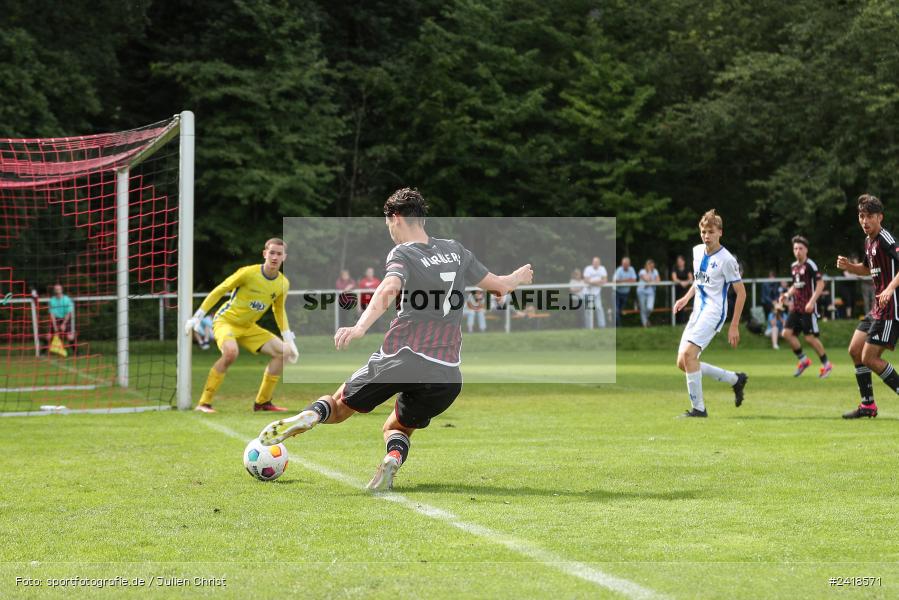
x=869, y=204
x=408, y=203
x=798, y=239
x=276, y=242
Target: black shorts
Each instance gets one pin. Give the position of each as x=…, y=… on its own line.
x=425, y=388
x=881, y=332
x=806, y=323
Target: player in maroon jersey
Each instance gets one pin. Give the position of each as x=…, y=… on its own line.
x=880, y=328
x=420, y=356
x=808, y=285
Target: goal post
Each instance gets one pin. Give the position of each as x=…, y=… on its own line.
x=185, y=256
x=96, y=244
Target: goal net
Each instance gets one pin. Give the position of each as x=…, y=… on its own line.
x=95, y=261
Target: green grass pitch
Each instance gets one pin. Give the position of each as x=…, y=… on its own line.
x=518, y=491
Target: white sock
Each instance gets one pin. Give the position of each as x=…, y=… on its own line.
x=694, y=388
x=728, y=377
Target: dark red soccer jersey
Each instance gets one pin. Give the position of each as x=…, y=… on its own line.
x=882, y=257
x=805, y=277
x=430, y=312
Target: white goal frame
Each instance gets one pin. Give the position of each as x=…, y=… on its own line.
x=183, y=126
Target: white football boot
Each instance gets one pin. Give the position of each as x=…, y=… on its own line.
x=278, y=431
x=383, y=479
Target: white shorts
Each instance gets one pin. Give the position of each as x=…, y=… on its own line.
x=701, y=328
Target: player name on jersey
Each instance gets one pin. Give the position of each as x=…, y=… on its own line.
x=441, y=259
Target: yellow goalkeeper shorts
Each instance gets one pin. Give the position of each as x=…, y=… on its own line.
x=251, y=337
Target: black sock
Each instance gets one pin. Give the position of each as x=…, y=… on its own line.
x=824, y=358
x=322, y=407
x=865, y=386
x=399, y=442
x=799, y=353
x=891, y=378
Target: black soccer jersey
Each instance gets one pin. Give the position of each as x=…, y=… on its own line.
x=429, y=315
x=882, y=257
x=805, y=277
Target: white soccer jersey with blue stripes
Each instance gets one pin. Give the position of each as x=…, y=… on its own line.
x=713, y=274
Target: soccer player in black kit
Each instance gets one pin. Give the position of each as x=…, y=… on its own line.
x=808, y=285
x=880, y=328
x=421, y=353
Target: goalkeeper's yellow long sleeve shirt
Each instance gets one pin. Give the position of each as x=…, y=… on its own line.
x=251, y=294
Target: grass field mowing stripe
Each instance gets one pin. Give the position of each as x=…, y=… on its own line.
x=574, y=568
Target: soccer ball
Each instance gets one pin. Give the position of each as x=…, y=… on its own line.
x=265, y=463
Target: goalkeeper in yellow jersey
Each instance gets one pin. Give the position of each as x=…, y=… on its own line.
x=253, y=290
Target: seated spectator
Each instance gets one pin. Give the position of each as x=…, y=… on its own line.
x=62, y=317
x=475, y=308
x=776, y=322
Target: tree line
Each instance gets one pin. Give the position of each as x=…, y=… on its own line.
x=778, y=114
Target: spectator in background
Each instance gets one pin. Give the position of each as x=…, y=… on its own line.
x=770, y=293
x=849, y=291
x=646, y=290
x=576, y=293
x=346, y=301
x=623, y=274
x=475, y=308
x=683, y=279
x=62, y=316
x=369, y=282
x=204, y=335
x=776, y=322
x=595, y=276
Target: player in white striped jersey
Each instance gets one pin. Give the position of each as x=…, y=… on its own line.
x=715, y=270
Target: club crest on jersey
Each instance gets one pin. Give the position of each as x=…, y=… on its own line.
x=714, y=264
x=257, y=305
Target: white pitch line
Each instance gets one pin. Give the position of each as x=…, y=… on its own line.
x=574, y=568
x=47, y=388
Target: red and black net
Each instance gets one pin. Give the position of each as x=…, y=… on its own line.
x=58, y=257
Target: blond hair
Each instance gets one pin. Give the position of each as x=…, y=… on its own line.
x=277, y=242
x=712, y=218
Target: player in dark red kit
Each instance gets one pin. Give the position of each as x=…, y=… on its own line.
x=880, y=328
x=808, y=285
x=421, y=353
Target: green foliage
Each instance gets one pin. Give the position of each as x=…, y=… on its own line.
x=268, y=124
x=777, y=114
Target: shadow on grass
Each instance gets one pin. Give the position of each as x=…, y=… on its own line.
x=806, y=418
x=595, y=495
x=288, y=482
